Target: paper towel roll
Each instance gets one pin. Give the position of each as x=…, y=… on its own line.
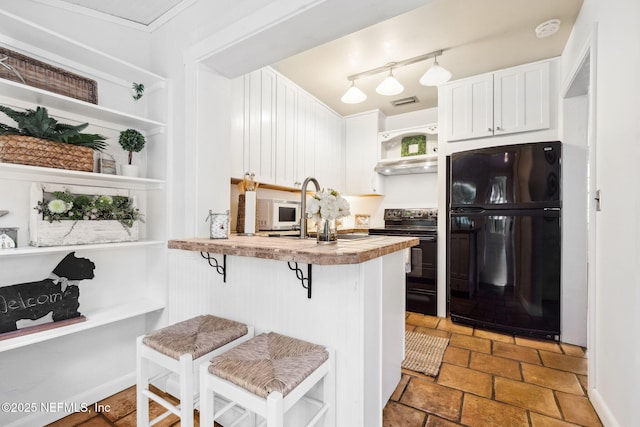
x=250, y=212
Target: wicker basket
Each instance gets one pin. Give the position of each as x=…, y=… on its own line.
x=27, y=150
x=44, y=76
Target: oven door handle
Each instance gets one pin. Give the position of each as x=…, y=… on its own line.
x=428, y=238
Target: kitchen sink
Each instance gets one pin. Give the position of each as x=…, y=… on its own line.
x=353, y=236
x=341, y=236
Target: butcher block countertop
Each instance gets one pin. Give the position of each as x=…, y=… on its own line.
x=299, y=250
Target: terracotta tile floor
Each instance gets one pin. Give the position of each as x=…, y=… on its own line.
x=490, y=379
x=486, y=379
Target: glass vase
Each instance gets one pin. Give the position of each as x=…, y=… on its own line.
x=327, y=231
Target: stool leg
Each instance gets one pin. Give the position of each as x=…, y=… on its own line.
x=142, y=383
x=329, y=390
x=186, y=390
x=206, y=398
x=275, y=410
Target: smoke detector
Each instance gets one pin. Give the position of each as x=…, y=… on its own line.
x=547, y=28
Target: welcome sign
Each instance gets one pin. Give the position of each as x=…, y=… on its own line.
x=56, y=295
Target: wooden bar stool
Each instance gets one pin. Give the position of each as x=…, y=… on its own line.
x=181, y=348
x=266, y=376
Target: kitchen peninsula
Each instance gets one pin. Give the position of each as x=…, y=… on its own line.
x=356, y=304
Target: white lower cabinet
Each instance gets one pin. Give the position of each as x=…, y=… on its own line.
x=504, y=102
x=362, y=153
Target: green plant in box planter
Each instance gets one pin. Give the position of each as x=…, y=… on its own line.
x=40, y=140
x=413, y=145
x=132, y=141
x=79, y=215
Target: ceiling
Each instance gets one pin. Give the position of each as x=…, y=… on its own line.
x=147, y=13
x=477, y=36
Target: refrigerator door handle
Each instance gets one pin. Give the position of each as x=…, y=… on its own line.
x=468, y=210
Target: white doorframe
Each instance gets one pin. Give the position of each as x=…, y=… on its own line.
x=579, y=85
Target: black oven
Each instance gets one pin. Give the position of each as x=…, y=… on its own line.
x=422, y=277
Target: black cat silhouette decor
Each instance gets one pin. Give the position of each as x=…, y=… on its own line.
x=57, y=294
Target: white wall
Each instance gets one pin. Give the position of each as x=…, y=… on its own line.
x=614, y=380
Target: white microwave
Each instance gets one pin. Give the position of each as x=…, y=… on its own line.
x=278, y=214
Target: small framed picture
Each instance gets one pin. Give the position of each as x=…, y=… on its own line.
x=8, y=238
x=362, y=221
x=106, y=165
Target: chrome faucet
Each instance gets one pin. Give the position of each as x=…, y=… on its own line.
x=303, y=205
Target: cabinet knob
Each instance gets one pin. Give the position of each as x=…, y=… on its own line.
x=490, y=130
x=498, y=128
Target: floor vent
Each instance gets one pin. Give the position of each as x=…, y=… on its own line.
x=404, y=101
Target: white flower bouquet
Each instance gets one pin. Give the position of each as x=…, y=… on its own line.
x=327, y=204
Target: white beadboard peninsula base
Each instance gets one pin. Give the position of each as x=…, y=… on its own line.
x=357, y=309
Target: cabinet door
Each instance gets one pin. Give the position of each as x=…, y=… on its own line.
x=260, y=126
x=305, y=146
x=238, y=165
x=361, y=154
x=521, y=99
x=470, y=108
x=286, y=136
x=329, y=164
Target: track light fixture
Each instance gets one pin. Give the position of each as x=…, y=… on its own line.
x=436, y=75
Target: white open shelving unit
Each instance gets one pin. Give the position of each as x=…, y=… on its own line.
x=44, y=44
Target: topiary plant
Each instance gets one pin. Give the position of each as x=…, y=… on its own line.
x=132, y=141
x=38, y=124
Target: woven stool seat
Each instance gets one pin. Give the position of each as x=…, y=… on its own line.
x=269, y=362
x=197, y=336
x=179, y=350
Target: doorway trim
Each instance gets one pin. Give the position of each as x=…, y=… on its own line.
x=586, y=62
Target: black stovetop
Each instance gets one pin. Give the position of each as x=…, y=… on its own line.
x=415, y=221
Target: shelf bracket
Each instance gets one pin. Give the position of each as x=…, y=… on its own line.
x=305, y=281
x=213, y=262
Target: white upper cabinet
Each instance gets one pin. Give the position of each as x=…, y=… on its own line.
x=260, y=111
x=505, y=102
x=329, y=149
x=361, y=153
x=283, y=134
x=286, y=133
x=306, y=143
x=521, y=99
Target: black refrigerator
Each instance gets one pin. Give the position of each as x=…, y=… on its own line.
x=504, y=238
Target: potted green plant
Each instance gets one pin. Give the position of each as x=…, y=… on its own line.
x=132, y=141
x=137, y=90
x=40, y=140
